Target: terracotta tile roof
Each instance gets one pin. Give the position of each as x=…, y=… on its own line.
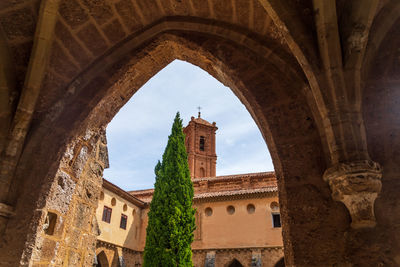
x=202, y=121
x=122, y=193
x=222, y=192
x=270, y=187
x=142, y=191
x=235, y=176
x=218, y=195
x=235, y=194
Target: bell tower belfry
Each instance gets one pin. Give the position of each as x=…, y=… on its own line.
x=200, y=146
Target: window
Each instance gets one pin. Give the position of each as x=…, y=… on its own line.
x=202, y=143
x=50, y=223
x=202, y=172
x=276, y=220
x=107, y=214
x=230, y=210
x=208, y=211
x=123, y=222
x=251, y=208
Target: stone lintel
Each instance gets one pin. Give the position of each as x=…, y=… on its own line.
x=356, y=184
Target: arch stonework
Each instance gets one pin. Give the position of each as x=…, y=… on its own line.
x=102, y=260
x=235, y=263
x=282, y=59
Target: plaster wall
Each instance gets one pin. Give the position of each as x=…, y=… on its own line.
x=219, y=230
x=240, y=229
x=111, y=232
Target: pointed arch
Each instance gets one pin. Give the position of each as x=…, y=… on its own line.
x=270, y=85
x=235, y=263
x=102, y=260
x=280, y=263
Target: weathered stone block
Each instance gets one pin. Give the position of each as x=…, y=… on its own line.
x=88, y=241
x=91, y=192
x=73, y=237
x=40, y=264
x=74, y=258
x=60, y=256
x=96, y=171
x=88, y=259
x=95, y=227
x=62, y=192
x=80, y=162
x=103, y=155
x=82, y=216
x=48, y=249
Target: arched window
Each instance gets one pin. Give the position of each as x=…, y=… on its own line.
x=202, y=143
x=202, y=172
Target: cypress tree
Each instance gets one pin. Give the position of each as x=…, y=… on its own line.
x=171, y=223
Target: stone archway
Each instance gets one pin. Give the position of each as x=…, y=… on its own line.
x=102, y=260
x=105, y=92
x=235, y=263
x=280, y=263
x=279, y=107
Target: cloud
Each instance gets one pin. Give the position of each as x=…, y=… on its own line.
x=138, y=134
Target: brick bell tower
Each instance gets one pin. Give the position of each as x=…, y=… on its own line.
x=200, y=146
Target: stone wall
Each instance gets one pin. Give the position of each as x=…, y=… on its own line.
x=248, y=257
x=115, y=255
x=110, y=255
x=67, y=226
x=302, y=80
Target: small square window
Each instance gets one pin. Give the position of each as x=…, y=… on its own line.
x=107, y=214
x=124, y=220
x=276, y=220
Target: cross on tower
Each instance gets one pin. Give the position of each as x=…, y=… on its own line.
x=199, y=108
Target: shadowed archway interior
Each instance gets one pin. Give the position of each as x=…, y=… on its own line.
x=235, y=263
x=102, y=260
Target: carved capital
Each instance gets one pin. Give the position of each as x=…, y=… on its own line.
x=356, y=184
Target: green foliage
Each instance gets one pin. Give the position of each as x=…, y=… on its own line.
x=171, y=216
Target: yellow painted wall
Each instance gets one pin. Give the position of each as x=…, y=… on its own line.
x=241, y=229
x=220, y=230
x=111, y=232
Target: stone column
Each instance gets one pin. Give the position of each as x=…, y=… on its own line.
x=357, y=185
x=210, y=259
x=256, y=258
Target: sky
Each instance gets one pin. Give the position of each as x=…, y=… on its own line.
x=138, y=134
